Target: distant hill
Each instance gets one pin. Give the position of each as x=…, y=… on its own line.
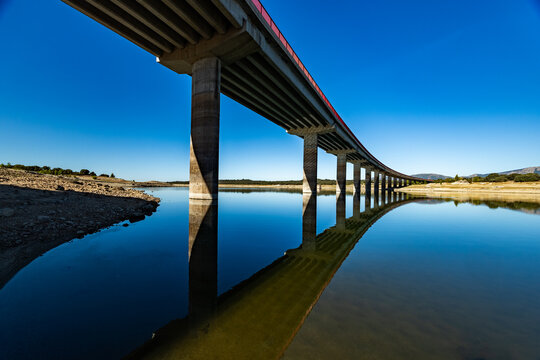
x=528, y=170
x=431, y=176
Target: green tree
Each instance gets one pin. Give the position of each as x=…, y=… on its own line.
x=112, y=175
x=84, y=172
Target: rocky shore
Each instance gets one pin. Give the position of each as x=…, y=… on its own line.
x=39, y=212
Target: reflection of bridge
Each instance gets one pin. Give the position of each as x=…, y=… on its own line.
x=233, y=47
x=259, y=317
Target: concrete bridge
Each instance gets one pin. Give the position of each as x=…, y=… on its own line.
x=235, y=48
x=258, y=318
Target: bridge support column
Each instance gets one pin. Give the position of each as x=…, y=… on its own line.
x=341, y=176
x=310, y=164
x=376, y=184
x=383, y=182
x=356, y=180
x=368, y=182
x=204, y=145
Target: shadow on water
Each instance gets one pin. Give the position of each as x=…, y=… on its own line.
x=259, y=317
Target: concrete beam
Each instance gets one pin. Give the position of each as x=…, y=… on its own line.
x=204, y=144
x=310, y=164
x=312, y=130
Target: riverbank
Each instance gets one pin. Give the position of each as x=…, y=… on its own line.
x=39, y=212
x=509, y=191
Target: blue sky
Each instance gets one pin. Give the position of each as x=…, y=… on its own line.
x=447, y=86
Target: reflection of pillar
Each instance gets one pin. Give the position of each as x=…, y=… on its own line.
x=356, y=179
x=341, y=174
x=368, y=181
x=310, y=164
x=383, y=197
x=340, y=211
x=204, y=145
x=356, y=206
x=367, y=202
x=203, y=218
x=309, y=221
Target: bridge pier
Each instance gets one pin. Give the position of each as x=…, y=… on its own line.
x=356, y=180
x=204, y=143
x=341, y=176
x=383, y=182
x=368, y=181
x=310, y=164
x=376, y=185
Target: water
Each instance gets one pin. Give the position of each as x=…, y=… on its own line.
x=410, y=279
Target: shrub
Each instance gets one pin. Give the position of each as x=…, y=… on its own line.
x=84, y=172
x=501, y=178
x=527, y=177
x=104, y=175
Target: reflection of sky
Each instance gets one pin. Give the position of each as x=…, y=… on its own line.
x=106, y=293
x=428, y=86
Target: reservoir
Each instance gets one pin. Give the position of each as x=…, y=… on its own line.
x=270, y=275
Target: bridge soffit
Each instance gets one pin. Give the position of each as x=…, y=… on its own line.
x=318, y=130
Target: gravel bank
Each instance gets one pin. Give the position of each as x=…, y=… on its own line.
x=39, y=212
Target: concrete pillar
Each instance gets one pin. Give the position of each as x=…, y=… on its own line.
x=376, y=188
x=376, y=185
x=204, y=145
x=383, y=182
x=340, y=211
x=356, y=180
x=368, y=181
x=309, y=222
x=310, y=164
x=341, y=176
x=202, y=253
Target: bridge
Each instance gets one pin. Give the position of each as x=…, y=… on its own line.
x=259, y=318
x=235, y=48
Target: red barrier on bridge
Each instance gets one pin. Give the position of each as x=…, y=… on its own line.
x=308, y=76
x=300, y=65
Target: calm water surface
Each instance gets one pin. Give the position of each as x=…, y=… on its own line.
x=268, y=275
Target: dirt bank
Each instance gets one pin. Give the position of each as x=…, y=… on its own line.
x=39, y=212
x=528, y=191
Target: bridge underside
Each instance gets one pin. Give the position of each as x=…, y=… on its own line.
x=257, y=66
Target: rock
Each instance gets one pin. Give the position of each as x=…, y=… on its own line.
x=7, y=212
x=60, y=188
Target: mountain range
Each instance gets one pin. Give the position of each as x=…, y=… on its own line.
x=527, y=170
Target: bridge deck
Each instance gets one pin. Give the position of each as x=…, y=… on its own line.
x=259, y=67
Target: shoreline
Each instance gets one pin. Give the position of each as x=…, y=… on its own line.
x=510, y=191
x=40, y=212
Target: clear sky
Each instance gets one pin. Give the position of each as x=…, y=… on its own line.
x=446, y=86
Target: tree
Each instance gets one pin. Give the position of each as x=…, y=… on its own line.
x=112, y=175
x=456, y=178
x=84, y=172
